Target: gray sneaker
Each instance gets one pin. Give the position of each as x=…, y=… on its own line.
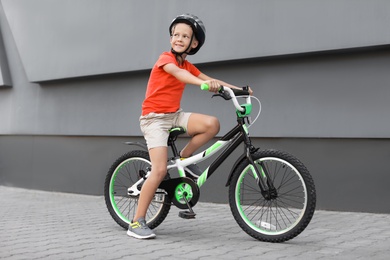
x=140, y=230
x=194, y=170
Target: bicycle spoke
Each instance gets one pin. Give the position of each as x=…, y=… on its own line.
x=122, y=175
x=272, y=219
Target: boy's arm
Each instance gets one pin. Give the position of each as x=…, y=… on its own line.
x=220, y=82
x=186, y=77
x=182, y=75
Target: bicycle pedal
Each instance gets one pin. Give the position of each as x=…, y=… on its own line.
x=187, y=215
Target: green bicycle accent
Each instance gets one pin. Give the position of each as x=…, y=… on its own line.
x=182, y=173
x=213, y=147
x=238, y=201
x=176, y=129
x=112, y=193
x=261, y=171
x=254, y=171
x=204, y=86
x=247, y=110
x=245, y=129
x=183, y=190
x=202, y=178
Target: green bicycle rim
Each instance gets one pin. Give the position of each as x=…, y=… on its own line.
x=111, y=192
x=241, y=210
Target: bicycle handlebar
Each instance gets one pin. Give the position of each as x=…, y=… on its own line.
x=204, y=86
x=232, y=95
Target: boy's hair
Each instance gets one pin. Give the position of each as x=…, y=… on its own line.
x=198, y=28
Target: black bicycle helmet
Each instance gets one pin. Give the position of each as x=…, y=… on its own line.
x=197, y=27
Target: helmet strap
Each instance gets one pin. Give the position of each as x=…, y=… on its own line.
x=179, y=57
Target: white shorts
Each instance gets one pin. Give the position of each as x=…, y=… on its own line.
x=155, y=127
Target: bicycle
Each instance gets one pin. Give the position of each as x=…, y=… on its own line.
x=272, y=195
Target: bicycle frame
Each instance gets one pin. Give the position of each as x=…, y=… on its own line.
x=228, y=143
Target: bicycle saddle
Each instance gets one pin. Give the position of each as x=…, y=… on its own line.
x=174, y=132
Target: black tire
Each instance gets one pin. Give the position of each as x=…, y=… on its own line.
x=279, y=219
x=125, y=171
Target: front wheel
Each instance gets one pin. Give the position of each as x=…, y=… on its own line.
x=124, y=172
x=282, y=216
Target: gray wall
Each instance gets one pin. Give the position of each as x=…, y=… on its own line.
x=350, y=174
x=70, y=38
x=73, y=77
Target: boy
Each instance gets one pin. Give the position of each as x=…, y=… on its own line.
x=161, y=110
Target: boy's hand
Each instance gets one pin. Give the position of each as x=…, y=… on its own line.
x=250, y=91
x=213, y=85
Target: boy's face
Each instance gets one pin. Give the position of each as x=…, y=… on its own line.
x=181, y=38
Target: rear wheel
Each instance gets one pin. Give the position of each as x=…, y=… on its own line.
x=283, y=216
x=124, y=172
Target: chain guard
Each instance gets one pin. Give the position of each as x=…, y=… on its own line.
x=177, y=188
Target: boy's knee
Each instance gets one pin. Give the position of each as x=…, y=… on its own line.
x=160, y=172
x=214, y=125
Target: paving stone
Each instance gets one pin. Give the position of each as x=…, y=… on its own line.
x=50, y=225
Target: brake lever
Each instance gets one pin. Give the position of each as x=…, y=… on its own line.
x=221, y=93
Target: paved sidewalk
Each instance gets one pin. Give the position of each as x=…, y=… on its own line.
x=49, y=225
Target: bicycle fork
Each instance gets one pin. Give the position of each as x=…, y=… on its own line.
x=263, y=180
x=262, y=176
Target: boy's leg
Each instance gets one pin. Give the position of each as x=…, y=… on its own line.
x=202, y=128
x=158, y=158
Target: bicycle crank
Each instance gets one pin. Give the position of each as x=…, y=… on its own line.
x=187, y=214
x=183, y=192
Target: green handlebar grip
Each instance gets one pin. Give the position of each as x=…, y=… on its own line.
x=204, y=86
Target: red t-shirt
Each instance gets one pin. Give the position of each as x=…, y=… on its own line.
x=164, y=91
